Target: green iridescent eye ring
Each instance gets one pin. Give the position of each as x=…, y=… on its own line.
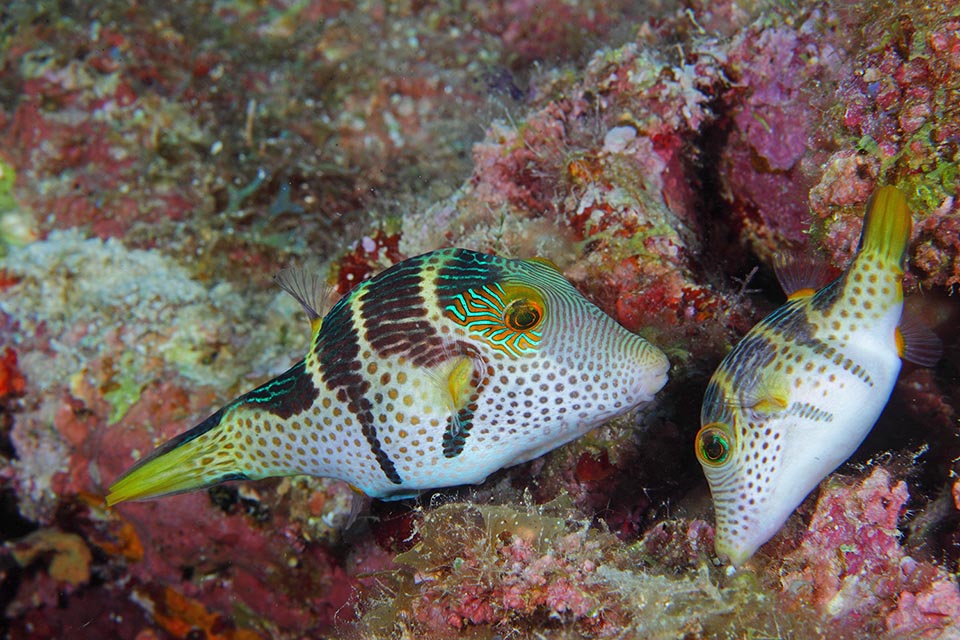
x=506, y=315
x=522, y=314
x=713, y=445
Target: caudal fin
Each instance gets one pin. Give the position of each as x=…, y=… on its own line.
x=887, y=226
x=195, y=459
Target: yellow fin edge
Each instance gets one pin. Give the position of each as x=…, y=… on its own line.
x=190, y=461
x=887, y=225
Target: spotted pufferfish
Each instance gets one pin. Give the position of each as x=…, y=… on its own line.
x=800, y=392
x=437, y=372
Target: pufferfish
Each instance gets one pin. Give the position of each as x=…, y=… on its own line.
x=437, y=372
x=799, y=393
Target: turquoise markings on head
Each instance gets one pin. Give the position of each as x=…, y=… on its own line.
x=460, y=270
x=506, y=316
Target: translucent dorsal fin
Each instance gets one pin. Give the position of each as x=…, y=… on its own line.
x=801, y=274
x=309, y=289
x=916, y=342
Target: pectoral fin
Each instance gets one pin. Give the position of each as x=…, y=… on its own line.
x=464, y=380
x=916, y=342
x=768, y=396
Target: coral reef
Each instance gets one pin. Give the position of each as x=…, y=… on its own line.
x=850, y=566
x=159, y=164
x=526, y=570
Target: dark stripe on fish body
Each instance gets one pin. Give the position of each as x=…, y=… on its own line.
x=751, y=355
x=824, y=299
x=394, y=314
x=232, y=476
x=338, y=354
x=289, y=394
x=460, y=424
x=715, y=408
x=810, y=412
x=790, y=323
x=388, y=338
x=396, y=289
x=455, y=435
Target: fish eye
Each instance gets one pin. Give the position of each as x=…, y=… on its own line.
x=522, y=314
x=713, y=445
x=508, y=316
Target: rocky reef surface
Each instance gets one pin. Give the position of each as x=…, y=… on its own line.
x=159, y=162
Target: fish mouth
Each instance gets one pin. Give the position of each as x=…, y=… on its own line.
x=654, y=367
x=734, y=552
x=740, y=542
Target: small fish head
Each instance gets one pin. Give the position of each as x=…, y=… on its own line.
x=555, y=357
x=760, y=468
x=742, y=486
x=609, y=361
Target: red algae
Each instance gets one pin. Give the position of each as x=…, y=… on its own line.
x=371, y=255
x=12, y=382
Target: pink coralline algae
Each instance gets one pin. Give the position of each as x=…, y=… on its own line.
x=767, y=164
x=598, y=182
x=898, y=106
x=892, y=84
x=851, y=566
x=491, y=565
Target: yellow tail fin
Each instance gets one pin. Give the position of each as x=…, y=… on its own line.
x=192, y=460
x=887, y=226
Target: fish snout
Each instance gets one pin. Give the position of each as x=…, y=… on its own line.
x=647, y=367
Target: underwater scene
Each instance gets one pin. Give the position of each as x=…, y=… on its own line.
x=485, y=320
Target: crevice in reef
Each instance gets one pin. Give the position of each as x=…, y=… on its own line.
x=12, y=524
x=722, y=245
x=12, y=527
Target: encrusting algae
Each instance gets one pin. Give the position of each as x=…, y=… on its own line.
x=697, y=143
x=800, y=392
x=437, y=372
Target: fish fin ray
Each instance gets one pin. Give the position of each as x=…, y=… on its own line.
x=916, y=342
x=309, y=289
x=801, y=275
